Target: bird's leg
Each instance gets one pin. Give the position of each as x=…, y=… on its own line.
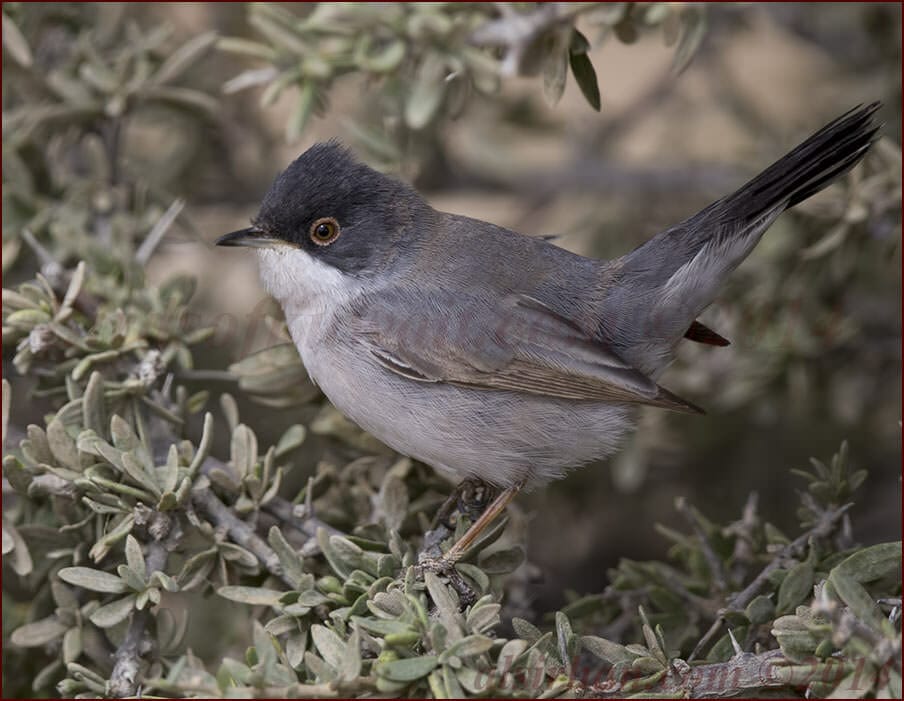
x=470, y=496
x=498, y=505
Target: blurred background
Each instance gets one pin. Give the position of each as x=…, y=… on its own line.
x=814, y=315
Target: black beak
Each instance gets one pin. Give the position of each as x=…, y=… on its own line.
x=252, y=237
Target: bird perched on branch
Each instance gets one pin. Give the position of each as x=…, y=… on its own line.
x=493, y=355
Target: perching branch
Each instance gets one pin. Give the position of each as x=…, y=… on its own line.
x=823, y=528
x=743, y=671
x=240, y=532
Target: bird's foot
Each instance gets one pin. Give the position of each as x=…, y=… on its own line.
x=446, y=568
x=470, y=497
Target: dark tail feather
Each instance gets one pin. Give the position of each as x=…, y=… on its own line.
x=812, y=166
x=701, y=333
x=668, y=281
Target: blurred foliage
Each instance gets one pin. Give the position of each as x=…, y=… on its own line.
x=119, y=514
x=425, y=60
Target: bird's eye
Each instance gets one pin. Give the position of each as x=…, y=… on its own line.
x=324, y=231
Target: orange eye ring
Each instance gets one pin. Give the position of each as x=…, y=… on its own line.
x=324, y=231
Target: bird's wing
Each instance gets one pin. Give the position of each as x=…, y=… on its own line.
x=518, y=344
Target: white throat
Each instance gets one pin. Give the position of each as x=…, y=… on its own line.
x=310, y=291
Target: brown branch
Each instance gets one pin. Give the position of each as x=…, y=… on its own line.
x=240, y=532
x=299, y=517
x=124, y=679
x=823, y=528
x=743, y=671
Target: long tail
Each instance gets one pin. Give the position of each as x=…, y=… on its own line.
x=665, y=283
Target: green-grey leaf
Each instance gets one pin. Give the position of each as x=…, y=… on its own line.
x=15, y=43
x=393, y=501
x=693, y=29
x=38, y=633
x=872, y=563
x=795, y=587
x=114, y=612
x=606, y=649
x=243, y=450
x=134, y=469
x=305, y=103
x=383, y=627
x=184, y=57
x=72, y=645
x=329, y=645
x=7, y=394
x=350, y=666
x=13, y=541
x=427, y=92
x=94, y=414
x=475, y=573
x=407, y=670
x=203, y=446
x=585, y=75
x=446, y=606
x=291, y=561
x=760, y=610
x=95, y=580
x=555, y=65
x=856, y=597
x=509, y=654
x=292, y=438
x=526, y=629
x=250, y=595
x=502, y=561
x=131, y=578
x=164, y=581
x=62, y=445
x=483, y=618
x=135, y=558
x=124, y=437
x=469, y=646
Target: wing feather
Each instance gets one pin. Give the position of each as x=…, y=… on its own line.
x=521, y=345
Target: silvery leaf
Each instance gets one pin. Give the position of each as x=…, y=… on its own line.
x=393, y=501
x=446, y=605
x=407, y=670
x=15, y=43
x=350, y=666
x=95, y=580
x=135, y=558
x=72, y=645
x=427, y=92
x=292, y=438
x=329, y=645
x=250, y=595
x=872, y=563
x=94, y=414
x=795, y=587
x=291, y=561
x=184, y=57
x=483, y=618
x=38, y=633
x=469, y=646
x=14, y=543
x=502, y=561
x=110, y=614
x=7, y=394
x=62, y=445
x=243, y=450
